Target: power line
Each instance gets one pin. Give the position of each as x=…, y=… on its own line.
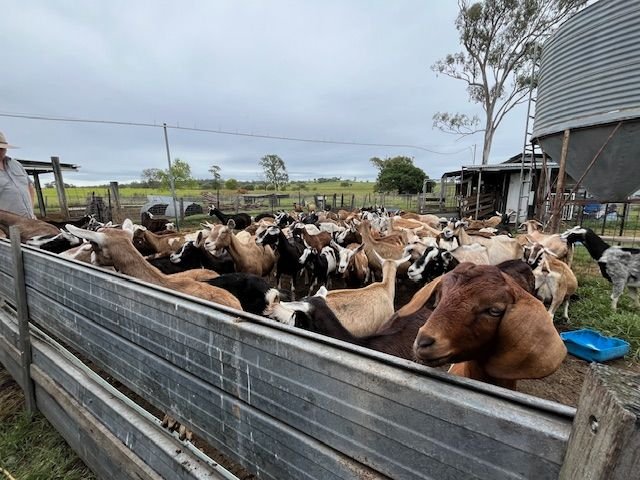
x=33, y=116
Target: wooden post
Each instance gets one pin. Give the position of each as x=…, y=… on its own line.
x=605, y=439
x=478, y=193
x=181, y=206
x=41, y=205
x=62, y=196
x=114, y=193
x=557, y=204
x=23, y=319
x=353, y=201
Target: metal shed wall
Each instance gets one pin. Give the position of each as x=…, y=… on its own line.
x=589, y=78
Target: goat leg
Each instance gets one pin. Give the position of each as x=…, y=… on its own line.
x=618, y=288
x=634, y=292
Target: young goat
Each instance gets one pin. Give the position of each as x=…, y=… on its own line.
x=555, y=282
x=113, y=247
x=619, y=265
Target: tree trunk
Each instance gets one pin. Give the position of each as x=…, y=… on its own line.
x=488, y=139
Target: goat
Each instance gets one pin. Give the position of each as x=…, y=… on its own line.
x=193, y=255
x=320, y=265
x=153, y=224
x=353, y=264
x=436, y=261
x=29, y=227
x=376, y=249
x=148, y=243
x=362, y=311
x=247, y=257
x=317, y=241
x=79, y=222
x=555, y=283
x=240, y=220
x=113, y=247
x=499, y=247
x=289, y=251
x=619, y=265
x=554, y=242
x=253, y=292
x=314, y=314
x=498, y=334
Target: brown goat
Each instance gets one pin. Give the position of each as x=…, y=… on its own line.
x=29, y=227
x=318, y=241
x=148, y=242
x=487, y=325
x=247, y=256
x=113, y=247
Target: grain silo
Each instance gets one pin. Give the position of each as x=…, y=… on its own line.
x=590, y=87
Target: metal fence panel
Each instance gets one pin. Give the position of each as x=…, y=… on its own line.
x=401, y=424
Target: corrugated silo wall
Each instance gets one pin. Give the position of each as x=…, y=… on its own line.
x=590, y=83
x=590, y=70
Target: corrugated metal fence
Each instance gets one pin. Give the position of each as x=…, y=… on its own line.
x=283, y=403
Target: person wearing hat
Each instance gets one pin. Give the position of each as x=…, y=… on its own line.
x=17, y=193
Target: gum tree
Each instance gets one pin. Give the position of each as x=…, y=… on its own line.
x=499, y=40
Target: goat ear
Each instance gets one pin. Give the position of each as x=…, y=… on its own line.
x=199, y=239
x=336, y=246
x=231, y=224
x=322, y=292
x=420, y=298
x=360, y=247
x=528, y=345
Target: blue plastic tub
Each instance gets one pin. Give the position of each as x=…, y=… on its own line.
x=593, y=346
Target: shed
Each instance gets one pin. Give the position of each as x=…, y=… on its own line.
x=500, y=185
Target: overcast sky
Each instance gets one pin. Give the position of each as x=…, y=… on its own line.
x=354, y=71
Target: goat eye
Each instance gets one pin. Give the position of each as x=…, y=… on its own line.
x=495, y=311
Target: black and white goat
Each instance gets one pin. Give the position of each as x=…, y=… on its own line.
x=396, y=337
x=289, y=251
x=254, y=293
x=619, y=265
x=320, y=265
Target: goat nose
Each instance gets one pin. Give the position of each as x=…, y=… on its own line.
x=424, y=341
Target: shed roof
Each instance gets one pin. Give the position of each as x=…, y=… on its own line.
x=35, y=166
x=511, y=165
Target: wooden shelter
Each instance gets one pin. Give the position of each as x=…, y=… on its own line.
x=36, y=168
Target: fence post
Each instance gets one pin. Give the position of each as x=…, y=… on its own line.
x=62, y=195
x=353, y=201
x=23, y=319
x=605, y=438
x=115, y=201
x=41, y=204
x=181, y=206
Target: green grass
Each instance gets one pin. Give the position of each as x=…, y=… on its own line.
x=30, y=448
x=592, y=309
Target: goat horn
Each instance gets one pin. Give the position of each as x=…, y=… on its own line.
x=96, y=237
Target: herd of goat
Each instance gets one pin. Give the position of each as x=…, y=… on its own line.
x=480, y=293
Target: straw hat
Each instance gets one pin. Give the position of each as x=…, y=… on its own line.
x=3, y=142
